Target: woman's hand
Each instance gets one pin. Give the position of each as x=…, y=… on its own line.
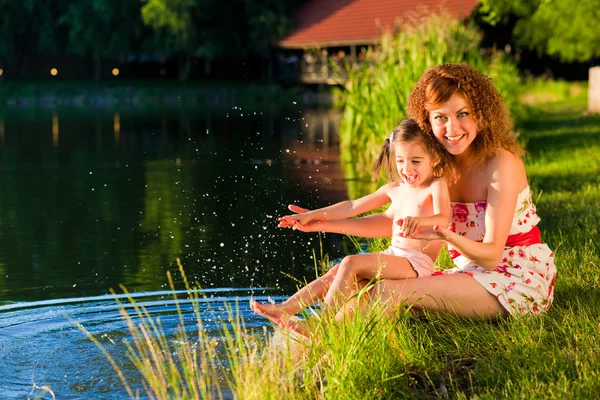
x=410, y=226
x=416, y=228
x=291, y=221
x=312, y=226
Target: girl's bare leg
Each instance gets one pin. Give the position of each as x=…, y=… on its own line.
x=303, y=327
x=365, y=266
x=354, y=273
x=309, y=294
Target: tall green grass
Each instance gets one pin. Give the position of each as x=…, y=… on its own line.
x=375, y=96
x=185, y=368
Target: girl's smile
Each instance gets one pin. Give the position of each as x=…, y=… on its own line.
x=413, y=163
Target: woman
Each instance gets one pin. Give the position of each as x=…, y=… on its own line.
x=501, y=266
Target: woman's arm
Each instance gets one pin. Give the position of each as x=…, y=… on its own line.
x=506, y=178
x=344, y=209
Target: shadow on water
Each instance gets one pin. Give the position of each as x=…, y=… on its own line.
x=93, y=200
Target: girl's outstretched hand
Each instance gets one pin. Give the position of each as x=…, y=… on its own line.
x=297, y=209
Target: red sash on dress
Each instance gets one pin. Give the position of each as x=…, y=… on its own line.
x=518, y=239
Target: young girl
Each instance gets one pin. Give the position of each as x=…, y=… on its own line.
x=419, y=196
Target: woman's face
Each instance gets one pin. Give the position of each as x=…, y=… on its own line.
x=453, y=124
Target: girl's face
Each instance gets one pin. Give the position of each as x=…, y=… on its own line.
x=453, y=124
x=413, y=163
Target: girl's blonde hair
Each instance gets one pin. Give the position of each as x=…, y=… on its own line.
x=494, y=125
x=408, y=131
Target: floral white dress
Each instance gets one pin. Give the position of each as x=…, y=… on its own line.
x=524, y=280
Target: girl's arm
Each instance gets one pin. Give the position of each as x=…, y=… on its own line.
x=506, y=179
x=441, y=209
x=344, y=209
x=371, y=226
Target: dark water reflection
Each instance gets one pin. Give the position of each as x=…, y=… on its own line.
x=92, y=200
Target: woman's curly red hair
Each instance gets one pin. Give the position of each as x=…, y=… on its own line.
x=494, y=125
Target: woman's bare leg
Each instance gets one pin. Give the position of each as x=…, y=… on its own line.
x=365, y=266
x=458, y=294
x=313, y=292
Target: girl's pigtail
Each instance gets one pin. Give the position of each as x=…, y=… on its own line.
x=383, y=160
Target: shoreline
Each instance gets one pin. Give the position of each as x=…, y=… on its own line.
x=45, y=94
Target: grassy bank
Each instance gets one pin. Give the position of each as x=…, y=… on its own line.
x=553, y=356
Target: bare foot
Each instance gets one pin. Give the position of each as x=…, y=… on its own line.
x=272, y=312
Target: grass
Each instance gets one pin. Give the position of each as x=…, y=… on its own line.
x=375, y=356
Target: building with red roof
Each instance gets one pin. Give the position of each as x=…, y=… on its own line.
x=337, y=26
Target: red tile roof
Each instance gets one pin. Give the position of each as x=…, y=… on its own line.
x=344, y=22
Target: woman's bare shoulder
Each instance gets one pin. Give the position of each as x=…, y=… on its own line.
x=506, y=165
x=503, y=159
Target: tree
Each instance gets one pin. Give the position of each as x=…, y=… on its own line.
x=206, y=29
x=26, y=26
x=567, y=29
x=101, y=28
x=175, y=31
x=268, y=22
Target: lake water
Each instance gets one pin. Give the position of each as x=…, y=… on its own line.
x=93, y=199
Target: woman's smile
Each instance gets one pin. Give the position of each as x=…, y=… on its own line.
x=453, y=125
x=454, y=139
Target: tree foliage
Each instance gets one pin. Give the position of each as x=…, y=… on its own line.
x=104, y=27
x=206, y=29
x=26, y=25
x=101, y=28
x=567, y=29
x=113, y=28
x=172, y=21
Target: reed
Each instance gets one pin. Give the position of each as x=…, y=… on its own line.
x=184, y=368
